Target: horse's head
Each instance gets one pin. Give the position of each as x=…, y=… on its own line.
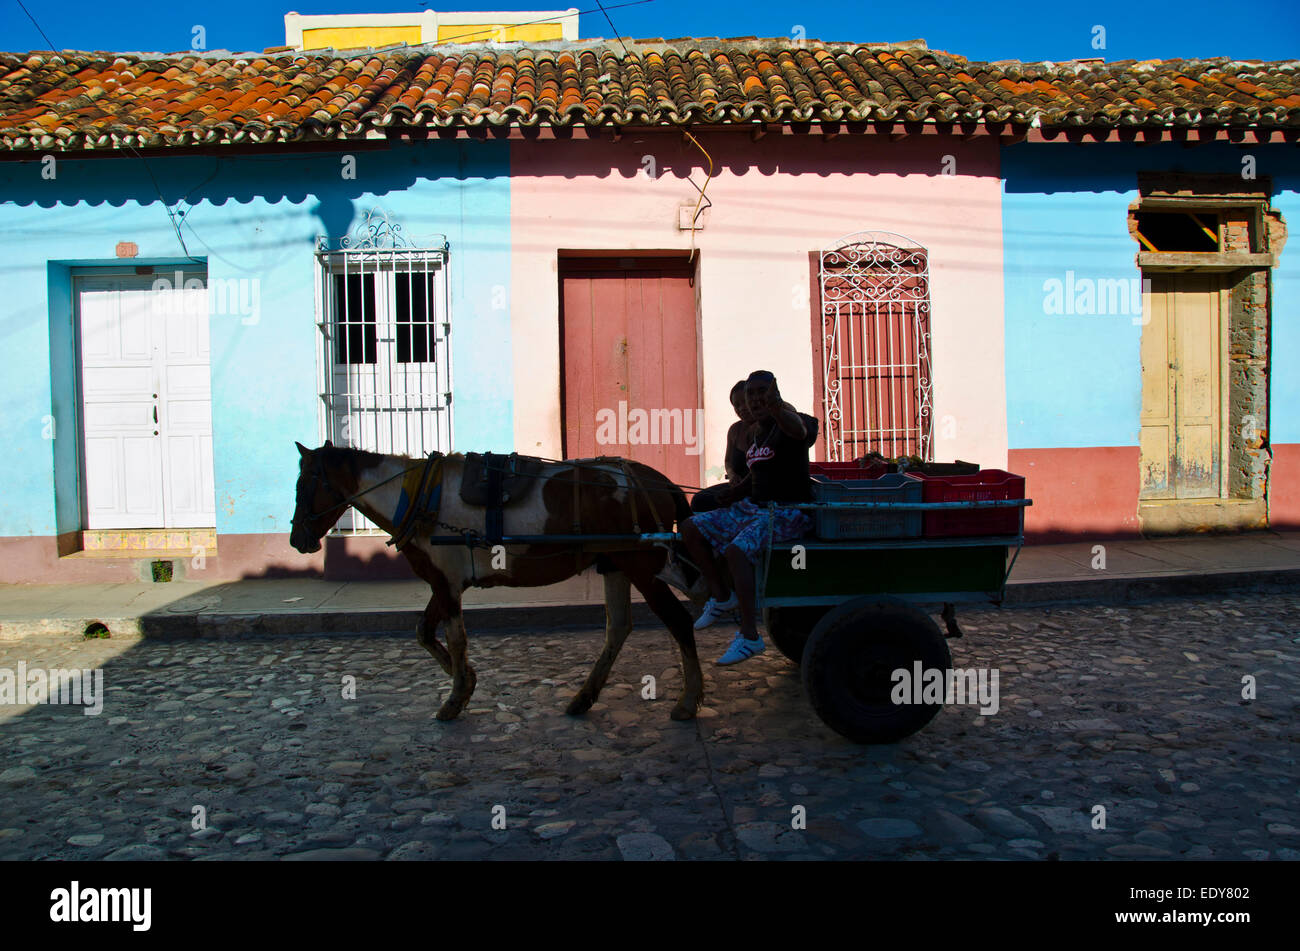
x=319, y=503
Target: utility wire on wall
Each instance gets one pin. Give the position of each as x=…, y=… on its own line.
x=695, y=214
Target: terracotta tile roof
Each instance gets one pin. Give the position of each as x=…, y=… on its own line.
x=74, y=100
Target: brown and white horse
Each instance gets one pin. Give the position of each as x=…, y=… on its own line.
x=602, y=496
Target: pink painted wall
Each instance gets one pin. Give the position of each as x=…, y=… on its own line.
x=1079, y=493
x=774, y=201
x=1284, y=488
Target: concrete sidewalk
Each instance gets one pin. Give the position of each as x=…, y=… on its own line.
x=1133, y=569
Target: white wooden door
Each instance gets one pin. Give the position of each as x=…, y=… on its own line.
x=147, y=404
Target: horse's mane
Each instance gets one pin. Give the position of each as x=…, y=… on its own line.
x=354, y=460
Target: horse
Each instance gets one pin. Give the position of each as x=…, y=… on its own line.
x=608, y=496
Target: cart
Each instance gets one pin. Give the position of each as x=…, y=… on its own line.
x=847, y=612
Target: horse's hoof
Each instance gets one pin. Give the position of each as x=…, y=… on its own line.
x=683, y=713
x=579, y=705
x=449, y=711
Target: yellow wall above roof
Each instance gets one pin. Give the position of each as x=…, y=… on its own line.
x=499, y=32
x=351, y=37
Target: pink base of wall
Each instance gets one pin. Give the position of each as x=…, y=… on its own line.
x=1284, y=488
x=35, y=560
x=1090, y=492
x=1093, y=492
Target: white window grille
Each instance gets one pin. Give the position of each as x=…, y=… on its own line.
x=385, y=324
x=876, y=387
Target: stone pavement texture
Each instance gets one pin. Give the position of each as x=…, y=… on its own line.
x=1136, y=708
x=1042, y=573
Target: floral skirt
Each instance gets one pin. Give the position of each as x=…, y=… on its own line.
x=745, y=525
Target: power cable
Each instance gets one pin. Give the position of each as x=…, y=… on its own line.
x=461, y=36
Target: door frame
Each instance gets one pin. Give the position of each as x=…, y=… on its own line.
x=1251, y=234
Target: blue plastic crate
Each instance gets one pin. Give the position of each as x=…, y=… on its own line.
x=834, y=524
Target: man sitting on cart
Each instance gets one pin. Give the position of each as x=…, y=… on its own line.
x=778, y=472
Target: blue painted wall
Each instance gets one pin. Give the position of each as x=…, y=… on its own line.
x=246, y=217
x=1074, y=380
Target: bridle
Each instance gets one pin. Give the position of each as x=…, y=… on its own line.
x=320, y=478
x=308, y=493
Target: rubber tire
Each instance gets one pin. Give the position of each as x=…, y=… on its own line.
x=790, y=628
x=848, y=665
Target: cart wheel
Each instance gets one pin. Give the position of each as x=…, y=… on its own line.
x=849, y=662
x=791, y=627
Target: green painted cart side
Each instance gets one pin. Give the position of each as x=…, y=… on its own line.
x=847, y=612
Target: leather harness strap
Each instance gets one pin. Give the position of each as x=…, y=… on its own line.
x=634, y=482
x=416, y=509
x=494, y=517
x=577, y=515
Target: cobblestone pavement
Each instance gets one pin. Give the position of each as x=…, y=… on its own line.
x=1136, y=708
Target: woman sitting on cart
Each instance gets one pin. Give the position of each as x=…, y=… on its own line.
x=778, y=472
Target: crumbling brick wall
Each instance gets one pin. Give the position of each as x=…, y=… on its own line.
x=1248, y=451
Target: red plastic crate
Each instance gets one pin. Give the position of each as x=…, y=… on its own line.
x=985, y=486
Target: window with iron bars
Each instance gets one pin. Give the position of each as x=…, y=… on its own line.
x=384, y=321
x=873, y=372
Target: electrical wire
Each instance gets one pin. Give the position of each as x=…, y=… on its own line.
x=633, y=3
x=171, y=216
x=53, y=48
x=694, y=215
x=617, y=35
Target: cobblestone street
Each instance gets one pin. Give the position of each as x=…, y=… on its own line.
x=1136, y=708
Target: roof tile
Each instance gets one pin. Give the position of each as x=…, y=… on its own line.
x=74, y=100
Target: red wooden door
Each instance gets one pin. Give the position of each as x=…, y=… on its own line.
x=631, y=367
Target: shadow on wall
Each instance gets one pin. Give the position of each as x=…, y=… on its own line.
x=339, y=559
x=336, y=179
x=658, y=154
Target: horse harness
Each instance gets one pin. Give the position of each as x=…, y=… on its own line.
x=420, y=498
x=493, y=481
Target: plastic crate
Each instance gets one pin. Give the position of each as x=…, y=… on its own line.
x=985, y=486
x=839, y=471
x=834, y=524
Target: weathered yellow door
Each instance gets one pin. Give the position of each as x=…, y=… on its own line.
x=1179, y=447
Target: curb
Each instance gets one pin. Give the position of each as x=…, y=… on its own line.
x=553, y=618
x=536, y=620
x=1142, y=587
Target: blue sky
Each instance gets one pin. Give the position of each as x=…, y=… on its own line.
x=1046, y=30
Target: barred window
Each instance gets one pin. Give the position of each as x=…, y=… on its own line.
x=874, y=380
x=384, y=320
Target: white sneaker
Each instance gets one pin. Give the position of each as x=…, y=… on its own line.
x=713, y=611
x=742, y=649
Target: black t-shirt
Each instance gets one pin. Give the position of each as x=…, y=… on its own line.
x=778, y=463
